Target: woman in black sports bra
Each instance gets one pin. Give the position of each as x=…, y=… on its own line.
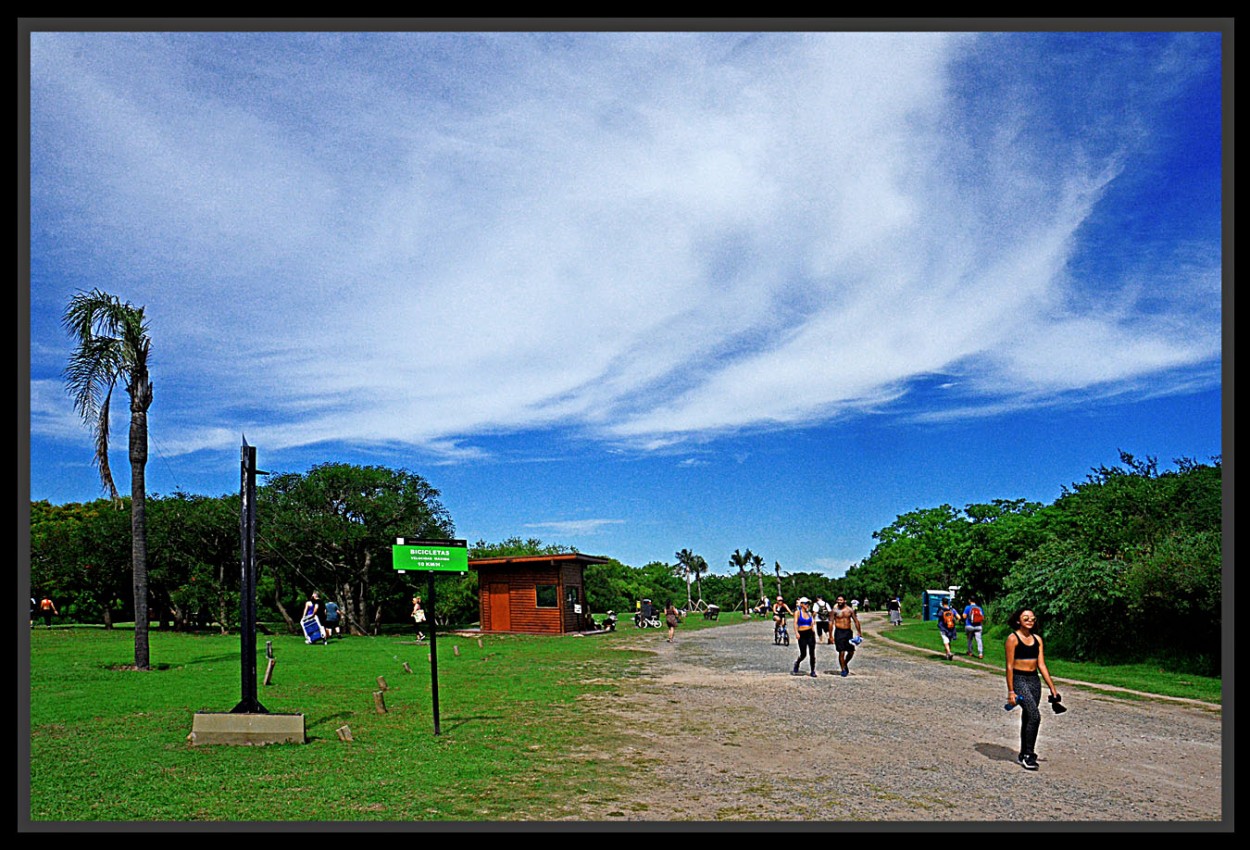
x=1025, y=660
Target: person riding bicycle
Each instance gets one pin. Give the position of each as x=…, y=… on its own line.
x=780, y=610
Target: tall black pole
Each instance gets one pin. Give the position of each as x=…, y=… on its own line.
x=248, y=703
x=433, y=653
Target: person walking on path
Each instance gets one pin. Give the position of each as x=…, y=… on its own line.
x=1025, y=660
x=974, y=616
x=822, y=610
x=670, y=619
x=47, y=609
x=805, y=629
x=947, y=619
x=895, y=607
x=843, y=639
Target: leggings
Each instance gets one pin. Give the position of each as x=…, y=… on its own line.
x=1028, y=694
x=807, y=648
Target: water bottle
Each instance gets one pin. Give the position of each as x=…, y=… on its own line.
x=1008, y=706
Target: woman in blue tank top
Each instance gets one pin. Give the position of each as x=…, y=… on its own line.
x=805, y=628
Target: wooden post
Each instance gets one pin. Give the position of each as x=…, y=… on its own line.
x=378, y=702
x=382, y=684
x=455, y=650
x=407, y=669
x=269, y=670
x=479, y=643
x=345, y=734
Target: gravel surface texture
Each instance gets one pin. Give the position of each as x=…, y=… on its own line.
x=724, y=733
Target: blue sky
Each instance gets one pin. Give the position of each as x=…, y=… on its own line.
x=639, y=292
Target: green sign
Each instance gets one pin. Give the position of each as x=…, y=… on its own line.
x=451, y=556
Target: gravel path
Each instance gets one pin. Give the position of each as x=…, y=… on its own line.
x=906, y=737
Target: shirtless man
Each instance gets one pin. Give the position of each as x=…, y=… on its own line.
x=843, y=616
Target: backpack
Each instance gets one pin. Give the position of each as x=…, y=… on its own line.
x=948, y=618
x=976, y=615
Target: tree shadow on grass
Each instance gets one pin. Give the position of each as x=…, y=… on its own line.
x=331, y=718
x=457, y=722
x=211, y=659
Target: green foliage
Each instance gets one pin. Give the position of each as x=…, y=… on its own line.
x=610, y=587
x=1098, y=565
x=333, y=528
x=1181, y=576
x=194, y=558
x=80, y=556
x=515, y=547
x=1079, y=598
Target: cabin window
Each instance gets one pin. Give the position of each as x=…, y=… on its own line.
x=548, y=595
x=571, y=598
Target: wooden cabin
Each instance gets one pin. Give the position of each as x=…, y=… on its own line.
x=535, y=594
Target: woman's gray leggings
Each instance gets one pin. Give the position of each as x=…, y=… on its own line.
x=1028, y=696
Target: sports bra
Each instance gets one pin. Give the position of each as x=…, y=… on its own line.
x=1024, y=650
x=802, y=621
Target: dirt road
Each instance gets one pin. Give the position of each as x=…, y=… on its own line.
x=724, y=733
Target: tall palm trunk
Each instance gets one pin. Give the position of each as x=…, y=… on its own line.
x=139, y=401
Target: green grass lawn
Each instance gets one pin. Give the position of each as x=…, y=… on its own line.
x=1154, y=678
x=109, y=744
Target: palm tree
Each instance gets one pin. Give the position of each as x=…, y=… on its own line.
x=684, y=558
x=739, y=560
x=777, y=566
x=695, y=565
x=757, y=562
x=699, y=566
x=112, y=345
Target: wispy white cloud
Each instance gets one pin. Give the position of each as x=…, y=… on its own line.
x=574, y=526
x=421, y=239
x=835, y=567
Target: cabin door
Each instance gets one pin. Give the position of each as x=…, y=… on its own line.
x=500, y=610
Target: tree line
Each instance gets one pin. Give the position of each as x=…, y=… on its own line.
x=1130, y=547
x=1125, y=565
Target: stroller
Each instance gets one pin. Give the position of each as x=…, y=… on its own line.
x=314, y=632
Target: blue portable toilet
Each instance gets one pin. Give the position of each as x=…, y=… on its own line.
x=931, y=602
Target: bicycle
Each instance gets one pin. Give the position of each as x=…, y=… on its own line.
x=781, y=635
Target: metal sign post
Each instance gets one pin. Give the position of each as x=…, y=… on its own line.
x=430, y=557
x=248, y=703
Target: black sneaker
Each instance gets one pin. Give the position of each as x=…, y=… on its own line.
x=1028, y=762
